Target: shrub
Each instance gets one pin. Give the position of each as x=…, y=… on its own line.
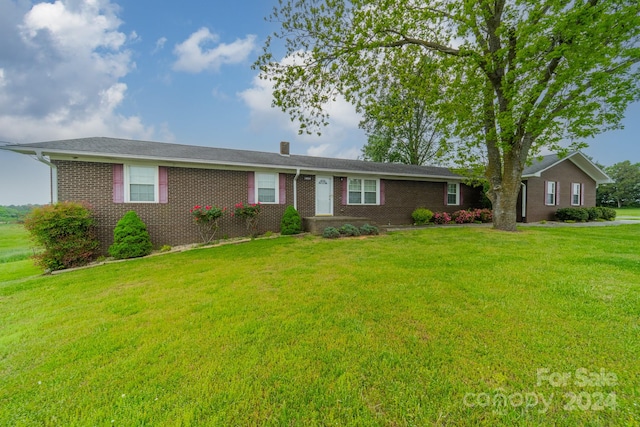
x=595, y=213
x=484, y=215
x=66, y=231
x=249, y=213
x=421, y=216
x=207, y=221
x=291, y=222
x=130, y=238
x=463, y=217
x=330, y=233
x=369, y=230
x=572, y=214
x=349, y=230
x=608, y=214
x=441, y=218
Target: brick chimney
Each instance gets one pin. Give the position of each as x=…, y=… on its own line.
x=284, y=148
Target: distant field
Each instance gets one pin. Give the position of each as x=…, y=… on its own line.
x=16, y=248
x=628, y=213
x=446, y=326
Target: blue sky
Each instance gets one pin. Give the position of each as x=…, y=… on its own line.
x=162, y=71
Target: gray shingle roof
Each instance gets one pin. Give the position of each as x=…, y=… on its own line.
x=132, y=149
x=541, y=164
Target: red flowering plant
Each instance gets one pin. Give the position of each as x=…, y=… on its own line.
x=207, y=221
x=250, y=214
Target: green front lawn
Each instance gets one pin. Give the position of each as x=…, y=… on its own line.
x=16, y=249
x=427, y=327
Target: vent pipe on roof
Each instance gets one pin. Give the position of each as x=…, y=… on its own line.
x=284, y=148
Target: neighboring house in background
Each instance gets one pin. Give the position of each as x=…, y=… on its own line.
x=162, y=182
x=553, y=182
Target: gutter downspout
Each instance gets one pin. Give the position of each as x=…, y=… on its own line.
x=295, y=189
x=524, y=201
x=54, y=175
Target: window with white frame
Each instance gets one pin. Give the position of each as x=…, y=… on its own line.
x=576, y=194
x=141, y=184
x=550, y=198
x=453, y=193
x=266, y=187
x=363, y=191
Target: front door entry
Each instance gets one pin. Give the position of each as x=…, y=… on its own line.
x=324, y=195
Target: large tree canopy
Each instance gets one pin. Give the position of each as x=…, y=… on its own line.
x=625, y=191
x=507, y=78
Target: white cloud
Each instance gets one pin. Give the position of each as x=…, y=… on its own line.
x=62, y=65
x=338, y=139
x=159, y=45
x=195, y=57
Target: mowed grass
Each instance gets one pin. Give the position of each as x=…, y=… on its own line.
x=442, y=326
x=16, y=249
x=628, y=213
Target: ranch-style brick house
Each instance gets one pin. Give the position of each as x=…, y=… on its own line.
x=555, y=182
x=162, y=182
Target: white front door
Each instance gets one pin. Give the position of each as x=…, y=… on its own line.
x=324, y=195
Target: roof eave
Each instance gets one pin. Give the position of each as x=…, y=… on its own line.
x=166, y=161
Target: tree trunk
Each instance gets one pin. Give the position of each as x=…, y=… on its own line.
x=504, y=193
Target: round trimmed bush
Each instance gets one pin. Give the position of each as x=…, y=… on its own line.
x=349, y=230
x=421, y=216
x=330, y=233
x=369, y=230
x=130, y=238
x=572, y=214
x=291, y=222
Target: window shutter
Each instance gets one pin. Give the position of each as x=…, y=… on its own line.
x=581, y=194
x=446, y=193
x=345, y=190
x=282, y=186
x=557, y=193
x=545, y=192
x=251, y=184
x=118, y=183
x=460, y=198
x=163, y=185
x=382, y=195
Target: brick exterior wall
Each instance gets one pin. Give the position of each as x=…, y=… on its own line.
x=565, y=173
x=171, y=223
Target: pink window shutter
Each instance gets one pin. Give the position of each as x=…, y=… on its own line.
x=383, y=197
x=581, y=194
x=118, y=183
x=545, y=192
x=251, y=192
x=446, y=193
x=557, y=193
x=345, y=191
x=163, y=184
x=460, y=197
x=282, y=186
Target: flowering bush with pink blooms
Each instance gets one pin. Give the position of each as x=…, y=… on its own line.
x=206, y=219
x=463, y=216
x=441, y=218
x=250, y=213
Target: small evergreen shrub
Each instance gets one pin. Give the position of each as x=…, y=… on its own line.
x=369, y=230
x=572, y=214
x=349, y=230
x=66, y=231
x=291, y=222
x=130, y=238
x=330, y=233
x=165, y=248
x=608, y=214
x=421, y=216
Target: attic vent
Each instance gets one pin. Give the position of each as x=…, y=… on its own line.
x=284, y=148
